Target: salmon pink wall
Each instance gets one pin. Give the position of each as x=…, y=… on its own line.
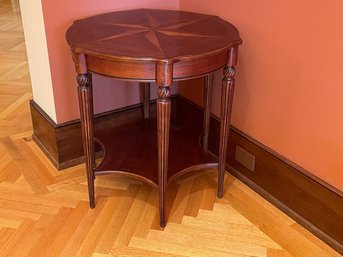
x=290, y=78
x=58, y=16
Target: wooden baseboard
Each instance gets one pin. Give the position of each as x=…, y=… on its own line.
x=307, y=200
x=62, y=143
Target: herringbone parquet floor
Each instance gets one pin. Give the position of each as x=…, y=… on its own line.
x=44, y=212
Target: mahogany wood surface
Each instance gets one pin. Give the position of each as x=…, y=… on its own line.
x=207, y=109
x=128, y=44
x=145, y=92
x=151, y=35
x=86, y=116
x=228, y=84
x=160, y=46
x=133, y=147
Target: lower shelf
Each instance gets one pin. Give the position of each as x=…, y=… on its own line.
x=132, y=148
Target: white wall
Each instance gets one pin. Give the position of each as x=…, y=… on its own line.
x=35, y=38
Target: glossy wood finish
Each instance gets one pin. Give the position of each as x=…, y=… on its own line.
x=228, y=84
x=44, y=134
x=86, y=117
x=195, y=43
x=164, y=79
x=174, y=45
x=145, y=91
x=208, y=81
x=160, y=35
x=136, y=140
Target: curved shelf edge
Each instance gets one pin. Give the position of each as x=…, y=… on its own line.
x=151, y=182
x=190, y=169
x=129, y=174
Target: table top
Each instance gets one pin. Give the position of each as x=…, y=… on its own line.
x=146, y=34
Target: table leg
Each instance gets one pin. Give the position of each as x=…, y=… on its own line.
x=163, y=127
x=225, y=116
x=86, y=115
x=146, y=99
x=207, y=109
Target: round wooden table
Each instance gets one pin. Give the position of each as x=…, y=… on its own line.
x=159, y=46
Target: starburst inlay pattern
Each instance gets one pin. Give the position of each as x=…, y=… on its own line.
x=151, y=32
x=155, y=34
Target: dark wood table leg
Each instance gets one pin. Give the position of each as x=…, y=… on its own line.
x=228, y=85
x=164, y=80
x=207, y=109
x=86, y=115
x=146, y=99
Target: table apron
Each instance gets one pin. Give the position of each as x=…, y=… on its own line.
x=146, y=70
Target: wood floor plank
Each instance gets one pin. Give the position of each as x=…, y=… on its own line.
x=65, y=233
x=20, y=215
x=200, y=238
x=27, y=236
x=8, y=222
x=12, y=107
x=76, y=240
x=133, y=252
x=209, y=193
x=171, y=248
x=5, y=235
x=128, y=228
x=24, y=166
x=90, y=242
x=180, y=202
x=277, y=253
x=34, y=208
x=47, y=237
x=111, y=232
x=233, y=232
x=9, y=248
x=195, y=197
x=148, y=215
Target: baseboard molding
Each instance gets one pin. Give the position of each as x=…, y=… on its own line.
x=310, y=203
x=307, y=200
x=62, y=143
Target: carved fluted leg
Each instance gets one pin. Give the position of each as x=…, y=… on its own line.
x=207, y=109
x=163, y=127
x=86, y=115
x=164, y=80
x=225, y=117
x=146, y=99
